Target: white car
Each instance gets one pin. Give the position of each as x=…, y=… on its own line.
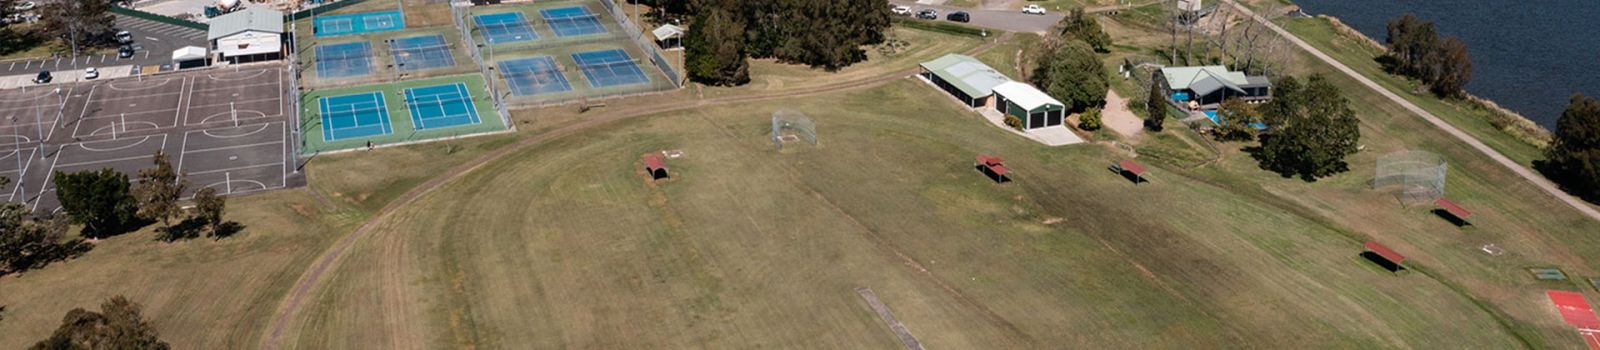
x=901, y=10
x=1033, y=10
x=24, y=6
x=90, y=73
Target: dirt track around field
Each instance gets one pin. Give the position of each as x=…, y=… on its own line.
x=314, y=275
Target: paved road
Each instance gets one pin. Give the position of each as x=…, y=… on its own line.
x=1007, y=20
x=153, y=42
x=1520, y=170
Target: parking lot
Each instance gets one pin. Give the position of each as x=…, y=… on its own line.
x=153, y=44
x=223, y=128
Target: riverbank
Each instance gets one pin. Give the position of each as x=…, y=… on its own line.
x=1506, y=120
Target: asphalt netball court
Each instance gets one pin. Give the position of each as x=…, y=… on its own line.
x=402, y=112
x=223, y=128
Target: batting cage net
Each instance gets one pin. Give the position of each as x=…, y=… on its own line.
x=790, y=126
x=1419, y=175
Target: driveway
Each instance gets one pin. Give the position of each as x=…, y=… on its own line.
x=153, y=44
x=1007, y=20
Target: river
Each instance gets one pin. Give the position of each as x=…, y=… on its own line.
x=1529, y=56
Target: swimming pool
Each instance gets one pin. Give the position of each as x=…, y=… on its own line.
x=1218, y=121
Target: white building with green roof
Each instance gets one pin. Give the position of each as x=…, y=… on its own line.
x=964, y=77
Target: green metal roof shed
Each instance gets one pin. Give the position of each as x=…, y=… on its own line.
x=964, y=76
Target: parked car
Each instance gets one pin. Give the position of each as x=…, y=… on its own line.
x=90, y=73
x=928, y=14
x=125, y=51
x=1033, y=9
x=44, y=77
x=959, y=16
x=124, y=37
x=901, y=10
x=24, y=6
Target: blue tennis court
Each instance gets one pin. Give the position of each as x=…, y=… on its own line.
x=572, y=21
x=344, y=60
x=421, y=52
x=441, y=106
x=353, y=116
x=609, y=68
x=506, y=27
x=358, y=23
x=533, y=76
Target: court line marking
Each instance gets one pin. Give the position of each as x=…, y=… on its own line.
x=84, y=145
x=263, y=126
x=231, y=147
x=223, y=76
x=183, y=148
x=233, y=169
x=113, y=85
x=274, y=99
x=81, y=115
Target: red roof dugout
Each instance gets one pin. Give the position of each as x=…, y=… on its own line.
x=994, y=167
x=1460, y=214
x=1129, y=168
x=1385, y=252
x=654, y=165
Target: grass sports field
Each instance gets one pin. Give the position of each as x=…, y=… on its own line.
x=414, y=110
x=566, y=244
x=571, y=247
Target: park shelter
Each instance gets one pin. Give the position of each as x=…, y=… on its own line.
x=249, y=35
x=964, y=77
x=1035, y=108
x=189, y=57
x=994, y=167
x=656, y=167
x=1127, y=167
x=668, y=36
x=1384, y=256
x=1208, y=86
x=1458, y=215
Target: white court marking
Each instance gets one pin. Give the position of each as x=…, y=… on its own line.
x=142, y=139
x=162, y=82
x=184, y=151
x=260, y=128
x=225, y=76
x=62, y=152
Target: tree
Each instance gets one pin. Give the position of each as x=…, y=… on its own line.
x=118, y=325
x=97, y=199
x=715, y=49
x=208, y=208
x=1071, y=73
x=1453, y=70
x=1236, y=118
x=1313, y=129
x=1155, y=107
x=1410, y=41
x=88, y=21
x=1573, y=159
x=1084, y=27
x=820, y=33
x=1089, y=119
x=158, y=191
x=32, y=243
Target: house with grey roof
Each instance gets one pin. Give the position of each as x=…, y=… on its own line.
x=1205, y=87
x=248, y=35
x=964, y=77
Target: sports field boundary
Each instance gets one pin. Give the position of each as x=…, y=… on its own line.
x=315, y=274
